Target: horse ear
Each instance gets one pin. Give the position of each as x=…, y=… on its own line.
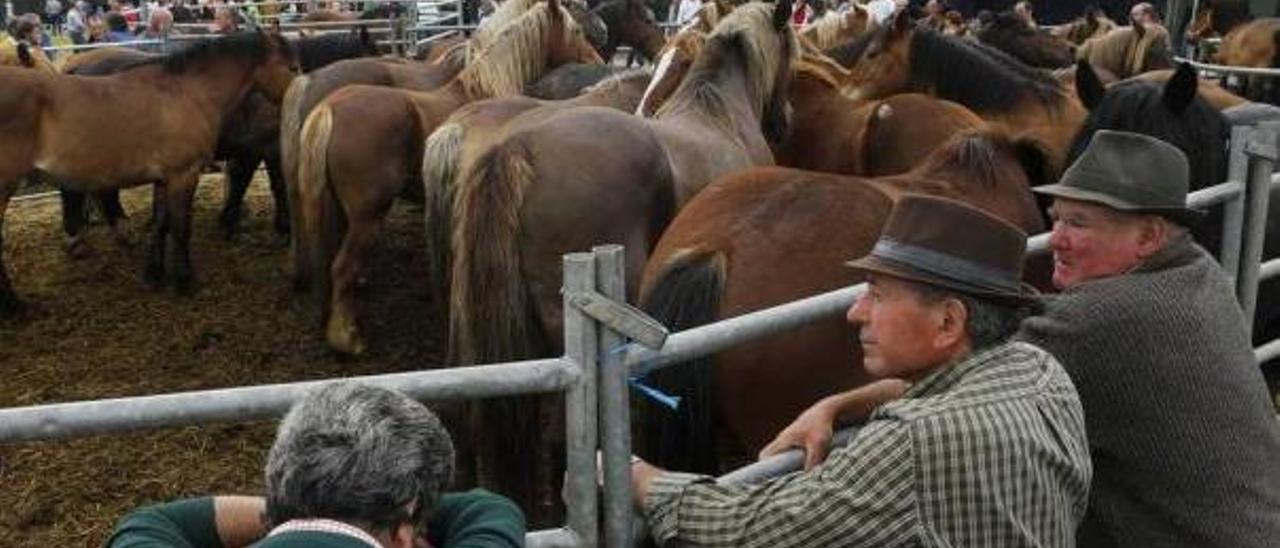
x=782, y=14
x=1088, y=87
x=1181, y=88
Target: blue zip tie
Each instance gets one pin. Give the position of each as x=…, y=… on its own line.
x=662, y=398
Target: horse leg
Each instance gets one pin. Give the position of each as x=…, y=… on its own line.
x=239, y=173
x=180, y=193
x=10, y=305
x=73, y=221
x=279, y=193
x=342, y=331
x=112, y=212
x=153, y=271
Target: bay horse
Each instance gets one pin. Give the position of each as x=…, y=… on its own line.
x=1174, y=112
x=766, y=236
x=362, y=146
x=1009, y=33
x=1092, y=24
x=835, y=28
x=1129, y=51
x=585, y=176
x=630, y=22
x=175, y=104
x=898, y=58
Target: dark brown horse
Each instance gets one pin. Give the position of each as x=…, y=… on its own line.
x=631, y=23
x=995, y=86
x=762, y=237
x=1009, y=33
x=362, y=147
x=176, y=105
x=1092, y=24
x=589, y=175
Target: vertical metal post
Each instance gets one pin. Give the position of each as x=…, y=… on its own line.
x=1233, y=210
x=580, y=346
x=1262, y=152
x=8, y=11
x=615, y=419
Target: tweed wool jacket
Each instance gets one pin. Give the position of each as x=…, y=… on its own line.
x=988, y=452
x=1184, y=439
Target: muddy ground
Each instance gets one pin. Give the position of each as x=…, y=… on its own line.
x=95, y=330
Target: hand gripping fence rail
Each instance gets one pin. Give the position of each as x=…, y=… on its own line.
x=598, y=361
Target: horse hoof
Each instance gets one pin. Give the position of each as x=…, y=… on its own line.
x=344, y=338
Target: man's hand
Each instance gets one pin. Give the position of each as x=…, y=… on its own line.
x=811, y=432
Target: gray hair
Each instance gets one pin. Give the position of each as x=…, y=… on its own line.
x=358, y=454
x=988, y=322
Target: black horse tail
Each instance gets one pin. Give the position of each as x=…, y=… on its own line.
x=685, y=295
x=24, y=55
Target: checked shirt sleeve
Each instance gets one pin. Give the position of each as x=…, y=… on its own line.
x=863, y=495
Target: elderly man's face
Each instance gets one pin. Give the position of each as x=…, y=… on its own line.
x=898, y=329
x=1092, y=241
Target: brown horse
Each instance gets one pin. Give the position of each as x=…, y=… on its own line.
x=673, y=64
x=589, y=175
x=175, y=105
x=1254, y=44
x=1009, y=33
x=1217, y=18
x=836, y=28
x=765, y=236
x=995, y=86
x=470, y=130
x=631, y=23
x=1092, y=24
x=1129, y=51
x=834, y=134
x=362, y=146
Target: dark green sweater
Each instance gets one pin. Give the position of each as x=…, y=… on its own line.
x=1183, y=437
x=474, y=519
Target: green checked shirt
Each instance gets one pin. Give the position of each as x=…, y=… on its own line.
x=988, y=452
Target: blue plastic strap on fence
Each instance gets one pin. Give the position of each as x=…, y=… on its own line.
x=662, y=398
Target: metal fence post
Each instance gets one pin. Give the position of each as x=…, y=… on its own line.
x=615, y=412
x=580, y=346
x=1262, y=151
x=1233, y=210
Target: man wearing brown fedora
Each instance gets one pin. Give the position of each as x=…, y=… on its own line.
x=1184, y=439
x=986, y=447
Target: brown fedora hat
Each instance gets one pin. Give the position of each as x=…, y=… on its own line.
x=1129, y=172
x=951, y=245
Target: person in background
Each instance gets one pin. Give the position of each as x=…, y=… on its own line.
x=352, y=466
x=77, y=22
x=1024, y=12
x=1144, y=13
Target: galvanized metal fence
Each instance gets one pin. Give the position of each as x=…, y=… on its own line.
x=598, y=362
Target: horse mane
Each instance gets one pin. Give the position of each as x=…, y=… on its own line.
x=825, y=32
x=506, y=13
x=820, y=67
x=1138, y=106
x=975, y=153
x=250, y=45
x=976, y=75
x=317, y=51
x=739, y=33
x=516, y=56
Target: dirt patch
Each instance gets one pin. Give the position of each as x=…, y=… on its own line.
x=95, y=330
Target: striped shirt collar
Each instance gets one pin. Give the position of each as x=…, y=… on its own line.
x=949, y=374
x=326, y=526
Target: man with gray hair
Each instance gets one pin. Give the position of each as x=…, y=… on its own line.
x=352, y=466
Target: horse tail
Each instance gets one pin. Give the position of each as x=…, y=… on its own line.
x=686, y=294
x=491, y=318
x=322, y=221
x=25, y=57
x=291, y=119
x=439, y=169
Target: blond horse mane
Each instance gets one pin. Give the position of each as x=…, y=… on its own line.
x=507, y=13
x=750, y=26
x=516, y=56
x=822, y=68
x=828, y=32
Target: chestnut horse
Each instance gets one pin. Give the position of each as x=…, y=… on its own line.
x=1254, y=44
x=362, y=146
x=175, y=105
x=898, y=58
x=1129, y=51
x=766, y=236
x=585, y=176
x=1009, y=33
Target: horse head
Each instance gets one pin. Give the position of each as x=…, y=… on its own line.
x=592, y=24
x=568, y=41
x=278, y=67
x=882, y=64
x=775, y=116
x=1173, y=112
x=673, y=63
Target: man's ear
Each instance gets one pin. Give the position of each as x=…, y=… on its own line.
x=1153, y=233
x=952, y=321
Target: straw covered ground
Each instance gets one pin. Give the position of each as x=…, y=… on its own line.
x=95, y=330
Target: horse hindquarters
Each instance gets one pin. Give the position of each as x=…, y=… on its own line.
x=686, y=294
x=291, y=119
